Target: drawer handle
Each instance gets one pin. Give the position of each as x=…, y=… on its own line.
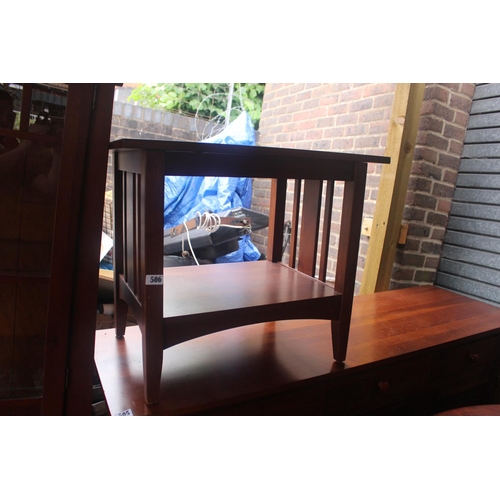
x=383, y=387
x=474, y=357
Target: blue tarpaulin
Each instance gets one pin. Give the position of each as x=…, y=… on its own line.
x=185, y=196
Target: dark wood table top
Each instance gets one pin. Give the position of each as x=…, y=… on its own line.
x=194, y=158
x=264, y=358
x=256, y=151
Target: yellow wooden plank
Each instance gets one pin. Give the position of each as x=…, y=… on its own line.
x=403, y=127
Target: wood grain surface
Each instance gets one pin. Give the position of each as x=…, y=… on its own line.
x=271, y=358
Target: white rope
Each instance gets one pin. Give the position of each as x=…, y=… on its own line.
x=190, y=246
x=210, y=222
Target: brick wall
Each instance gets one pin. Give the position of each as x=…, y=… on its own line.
x=131, y=121
x=355, y=118
x=135, y=122
x=439, y=145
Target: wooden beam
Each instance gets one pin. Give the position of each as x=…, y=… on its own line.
x=81, y=341
x=403, y=127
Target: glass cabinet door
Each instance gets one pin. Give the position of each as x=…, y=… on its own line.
x=31, y=124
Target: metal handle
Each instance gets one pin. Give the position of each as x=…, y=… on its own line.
x=383, y=387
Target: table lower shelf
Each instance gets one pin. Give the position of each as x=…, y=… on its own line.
x=210, y=298
x=209, y=288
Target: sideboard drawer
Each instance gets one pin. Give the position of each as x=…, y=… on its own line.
x=457, y=362
x=361, y=393
x=307, y=401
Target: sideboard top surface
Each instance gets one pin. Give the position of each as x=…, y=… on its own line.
x=265, y=357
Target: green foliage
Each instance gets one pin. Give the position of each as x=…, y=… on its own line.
x=206, y=100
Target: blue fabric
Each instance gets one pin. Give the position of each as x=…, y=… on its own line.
x=184, y=196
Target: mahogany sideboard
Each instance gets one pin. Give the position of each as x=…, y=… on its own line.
x=414, y=351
